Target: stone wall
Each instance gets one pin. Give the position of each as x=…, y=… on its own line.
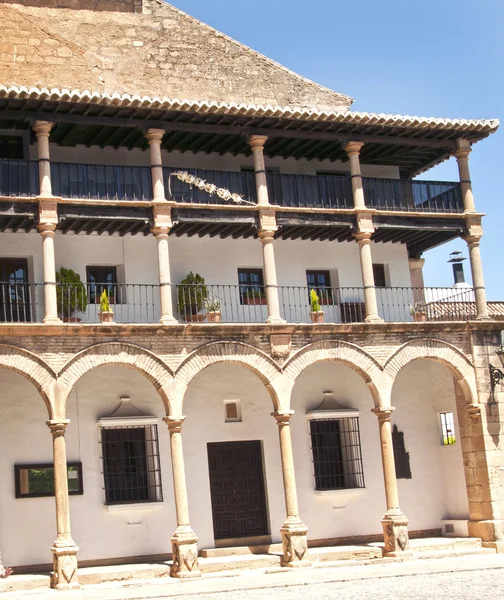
x=131, y=6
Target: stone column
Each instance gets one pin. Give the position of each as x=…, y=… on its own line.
x=295, y=545
x=64, y=575
x=395, y=523
x=42, y=130
x=462, y=156
x=366, y=262
x=155, y=137
x=48, y=220
x=270, y=277
x=184, y=540
x=165, y=288
x=473, y=243
x=353, y=151
x=257, y=144
x=417, y=280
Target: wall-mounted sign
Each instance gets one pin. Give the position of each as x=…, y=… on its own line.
x=37, y=481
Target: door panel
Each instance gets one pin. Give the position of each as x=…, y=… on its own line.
x=237, y=489
x=14, y=291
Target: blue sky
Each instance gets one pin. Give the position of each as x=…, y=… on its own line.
x=441, y=58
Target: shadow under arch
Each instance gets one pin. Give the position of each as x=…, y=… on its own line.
x=345, y=353
x=122, y=355
x=441, y=352
x=32, y=368
x=256, y=361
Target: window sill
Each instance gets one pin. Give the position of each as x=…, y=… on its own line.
x=137, y=506
x=341, y=497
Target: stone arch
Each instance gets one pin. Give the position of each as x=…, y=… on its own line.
x=123, y=355
x=346, y=353
x=239, y=353
x=33, y=368
x=442, y=352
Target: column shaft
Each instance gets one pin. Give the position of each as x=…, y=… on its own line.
x=50, y=294
x=64, y=549
x=366, y=262
x=295, y=544
x=462, y=156
x=165, y=288
x=270, y=277
x=353, y=151
x=473, y=244
x=42, y=130
x=257, y=144
x=155, y=137
x=184, y=540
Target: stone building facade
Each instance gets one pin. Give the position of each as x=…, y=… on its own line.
x=388, y=413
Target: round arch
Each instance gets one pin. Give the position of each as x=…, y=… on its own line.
x=343, y=352
x=442, y=352
x=121, y=355
x=239, y=353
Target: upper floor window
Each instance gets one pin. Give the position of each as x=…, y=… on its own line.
x=252, y=290
x=11, y=146
x=380, y=275
x=320, y=281
x=99, y=279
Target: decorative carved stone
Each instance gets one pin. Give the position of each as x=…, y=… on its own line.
x=162, y=216
x=473, y=412
x=280, y=346
x=185, y=553
x=64, y=574
x=48, y=214
x=395, y=534
x=295, y=544
x=267, y=219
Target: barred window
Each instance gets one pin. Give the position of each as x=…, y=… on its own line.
x=131, y=467
x=447, y=429
x=337, y=456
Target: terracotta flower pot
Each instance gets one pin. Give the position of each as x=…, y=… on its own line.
x=195, y=318
x=214, y=317
x=317, y=317
x=420, y=316
x=106, y=317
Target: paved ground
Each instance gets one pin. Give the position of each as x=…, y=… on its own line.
x=467, y=578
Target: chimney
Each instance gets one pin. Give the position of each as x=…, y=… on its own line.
x=456, y=260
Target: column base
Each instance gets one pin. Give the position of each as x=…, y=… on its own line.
x=483, y=317
x=275, y=321
x=185, y=554
x=65, y=574
x=295, y=544
x=52, y=321
x=395, y=535
x=373, y=319
x=168, y=320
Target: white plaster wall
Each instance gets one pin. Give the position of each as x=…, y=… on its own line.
x=422, y=390
x=227, y=162
x=204, y=409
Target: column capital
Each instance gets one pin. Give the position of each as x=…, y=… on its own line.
x=46, y=229
x=463, y=149
x=283, y=417
x=383, y=414
x=266, y=235
x=257, y=141
x=174, y=423
x=473, y=240
x=416, y=263
x=353, y=148
x=58, y=427
x=42, y=128
x=161, y=232
x=155, y=136
x=363, y=237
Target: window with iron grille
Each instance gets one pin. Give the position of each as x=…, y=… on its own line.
x=99, y=279
x=252, y=290
x=447, y=429
x=401, y=457
x=131, y=467
x=320, y=281
x=380, y=275
x=337, y=455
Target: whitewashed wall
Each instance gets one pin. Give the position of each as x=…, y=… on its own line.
x=27, y=526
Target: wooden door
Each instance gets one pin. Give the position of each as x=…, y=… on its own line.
x=237, y=490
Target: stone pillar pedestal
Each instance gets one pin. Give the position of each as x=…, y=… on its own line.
x=366, y=261
x=295, y=544
x=184, y=540
x=64, y=550
x=394, y=522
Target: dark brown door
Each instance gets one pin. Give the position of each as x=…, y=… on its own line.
x=14, y=291
x=237, y=489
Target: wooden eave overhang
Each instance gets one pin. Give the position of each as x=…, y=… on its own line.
x=414, y=144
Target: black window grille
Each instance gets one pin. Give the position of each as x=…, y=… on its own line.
x=99, y=279
x=131, y=468
x=252, y=290
x=401, y=457
x=447, y=429
x=320, y=281
x=337, y=455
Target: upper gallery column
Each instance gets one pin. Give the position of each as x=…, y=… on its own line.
x=473, y=224
x=162, y=225
x=395, y=523
x=365, y=230
x=267, y=230
x=48, y=221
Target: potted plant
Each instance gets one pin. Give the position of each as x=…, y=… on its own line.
x=106, y=313
x=254, y=296
x=316, y=314
x=212, y=307
x=192, y=293
x=418, y=311
x=71, y=295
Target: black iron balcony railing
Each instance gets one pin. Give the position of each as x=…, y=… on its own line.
x=136, y=303
x=82, y=181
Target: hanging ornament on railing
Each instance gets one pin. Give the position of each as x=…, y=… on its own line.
x=209, y=188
